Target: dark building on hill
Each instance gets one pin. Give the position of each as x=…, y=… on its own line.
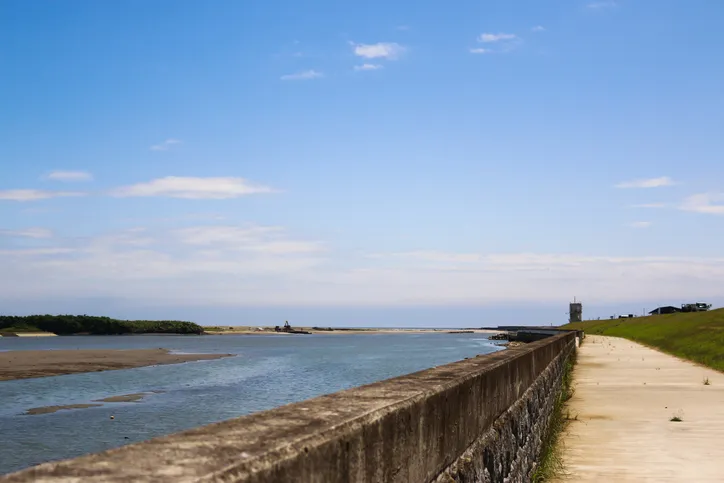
x=575, y=310
x=665, y=310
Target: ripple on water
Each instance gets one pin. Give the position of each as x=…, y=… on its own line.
x=151, y=401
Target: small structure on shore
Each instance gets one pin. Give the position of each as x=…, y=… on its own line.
x=289, y=330
x=697, y=307
x=670, y=309
x=667, y=309
x=575, y=311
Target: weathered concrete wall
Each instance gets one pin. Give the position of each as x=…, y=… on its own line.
x=508, y=450
x=480, y=419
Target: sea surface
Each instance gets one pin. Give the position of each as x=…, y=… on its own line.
x=266, y=371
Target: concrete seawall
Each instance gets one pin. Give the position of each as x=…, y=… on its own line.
x=481, y=419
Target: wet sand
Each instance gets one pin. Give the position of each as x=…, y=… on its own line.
x=27, y=334
x=125, y=398
x=29, y=364
x=54, y=409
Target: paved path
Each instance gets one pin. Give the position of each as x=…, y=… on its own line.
x=625, y=396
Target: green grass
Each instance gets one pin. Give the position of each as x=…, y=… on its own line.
x=550, y=462
x=696, y=336
x=20, y=327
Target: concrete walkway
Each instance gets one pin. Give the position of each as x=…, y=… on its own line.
x=625, y=396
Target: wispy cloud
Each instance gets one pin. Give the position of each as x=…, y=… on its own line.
x=304, y=75
x=650, y=205
x=380, y=50
x=647, y=183
x=28, y=233
x=237, y=266
x=34, y=195
x=193, y=263
x=267, y=239
x=36, y=252
x=368, y=67
x=640, y=224
x=601, y=5
x=192, y=188
x=707, y=203
x=501, y=43
x=444, y=276
x=492, y=38
x=69, y=176
x=166, y=145
x=538, y=28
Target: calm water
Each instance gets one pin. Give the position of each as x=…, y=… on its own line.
x=266, y=372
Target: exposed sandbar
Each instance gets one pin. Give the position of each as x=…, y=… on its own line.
x=53, y=409
x=29, y=364
x=125, y=398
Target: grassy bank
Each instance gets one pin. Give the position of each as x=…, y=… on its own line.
x=550, y=463
x=86, y=324
x=697, y=336
x=19, y=328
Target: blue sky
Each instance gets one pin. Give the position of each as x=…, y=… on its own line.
x=360, y=163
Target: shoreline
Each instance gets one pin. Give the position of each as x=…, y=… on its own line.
x=267, y=330
x=44, y=363
x=264, y=330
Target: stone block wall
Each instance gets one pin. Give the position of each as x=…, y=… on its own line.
x=509, y=449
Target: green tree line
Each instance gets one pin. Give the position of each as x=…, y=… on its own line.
x=88, y=324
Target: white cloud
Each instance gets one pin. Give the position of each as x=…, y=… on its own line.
x=647, y=183
x=253, y=265
x=538, y=28
x=70, y=176
x=225, y=265
x=707, y=203
x=209, y=235
x=166, y=145
x=503, y=43
x=601, y=5
x=640, y=224
x=650, y=205
x=304, y=75
x=383, y=50
x=430, y=277
x=28, y=233
x=268, y=239
x=34, y=195
x=367, y=67
x=192, y=188
x=36, y=252
x=492, y=38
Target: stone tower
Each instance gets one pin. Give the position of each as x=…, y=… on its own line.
x=575, y=311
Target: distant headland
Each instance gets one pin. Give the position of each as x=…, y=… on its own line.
x=92, y=325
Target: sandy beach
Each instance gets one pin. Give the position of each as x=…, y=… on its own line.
x=28, y=364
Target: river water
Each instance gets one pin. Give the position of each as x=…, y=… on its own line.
x=266, y=371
